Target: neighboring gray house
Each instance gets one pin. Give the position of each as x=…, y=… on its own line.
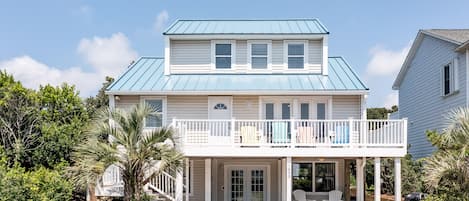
x=431, y=82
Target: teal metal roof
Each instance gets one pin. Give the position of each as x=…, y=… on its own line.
x=283, y=26
x=146, y=75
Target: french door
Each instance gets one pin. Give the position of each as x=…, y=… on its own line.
x=247, y=183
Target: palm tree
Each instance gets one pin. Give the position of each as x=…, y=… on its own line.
x=139, y=154
x=446, y=171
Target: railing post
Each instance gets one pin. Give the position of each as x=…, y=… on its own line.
x=179, y=186
x=232, y=132
x=293, y=134
x=404, y=132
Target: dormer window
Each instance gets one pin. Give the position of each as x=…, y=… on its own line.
x=296, y=54
x=259, y=54
x=223, y=57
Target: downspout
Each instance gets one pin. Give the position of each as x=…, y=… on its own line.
x=467, y=77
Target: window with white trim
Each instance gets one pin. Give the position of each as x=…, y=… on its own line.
x=223, y=55
x=296, y=55
x=449, y=76
x=155, y=119
x=259, y=54
x=314, y=177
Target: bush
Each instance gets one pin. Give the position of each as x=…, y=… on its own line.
x=41, y=184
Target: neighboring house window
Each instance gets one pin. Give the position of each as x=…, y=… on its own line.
x=449, y=76
x=155, y=119
x=314, y=177
x=296, y=55
x=223, y=54
x=259, y=54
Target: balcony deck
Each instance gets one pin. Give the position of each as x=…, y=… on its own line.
x=296, y=138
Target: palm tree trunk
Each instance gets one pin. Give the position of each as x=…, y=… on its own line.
x=92, y=193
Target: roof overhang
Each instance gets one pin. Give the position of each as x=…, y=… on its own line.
x=245, y=36
x=463, y=47
x=413, y=49
x=159, y=93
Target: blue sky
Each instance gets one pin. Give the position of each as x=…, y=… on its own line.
x=81, y=41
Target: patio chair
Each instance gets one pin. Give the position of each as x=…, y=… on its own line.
x=249, y=135
x=335, y=195
x=300, y=195
x=280, y=132
x=305, y=135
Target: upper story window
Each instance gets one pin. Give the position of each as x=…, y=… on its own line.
x=449, y=74
x=259, y=54
x=224, y=54
x=296, y=54
x=155, y=119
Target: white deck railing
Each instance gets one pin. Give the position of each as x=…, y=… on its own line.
x=293, y=133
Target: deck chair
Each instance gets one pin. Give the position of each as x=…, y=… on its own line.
x=300, y=195
x=280, y=132
x=305, y=135
x=342, y=135
x=335, y=195
x=249, y=135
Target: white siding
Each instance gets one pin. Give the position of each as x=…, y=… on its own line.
x=246, y=107
x=127, y=102
x=344, y=107
x=194, y=56
x=190, y=56
x=198, y=190
x=315, y=56
x=420, y=97
x=187, y=107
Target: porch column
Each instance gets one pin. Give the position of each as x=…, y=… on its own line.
x=289, y=179
x=397, y=179
x=360, y=180
x=208, y=179
x=179, y=186
x=188, y=185
x=377, y=179
x=284, y=179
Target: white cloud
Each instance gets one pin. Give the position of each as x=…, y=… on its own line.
x=33, y=73
x=391, y=100
x=161, y=20
x=107, y=56
x=386, y=62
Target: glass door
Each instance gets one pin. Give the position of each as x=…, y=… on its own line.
x=247, y=184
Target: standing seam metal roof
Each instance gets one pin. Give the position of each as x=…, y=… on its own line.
x=147, y=75
x=247, y=26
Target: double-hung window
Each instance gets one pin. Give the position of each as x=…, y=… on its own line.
x=296, y=55
x=449, y=77
x=223, y=54
x=259, y=54
x=155, y=119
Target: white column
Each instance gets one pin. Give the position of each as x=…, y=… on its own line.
x=289, y=179
x=188, y=185
x=377, y=179
x=397, y=179
x=208, y=179
x=167, y=57
x=360, y=180
x=284, y=179
x=179, y=186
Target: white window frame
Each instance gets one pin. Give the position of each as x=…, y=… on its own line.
x=269, y=54
x=313, y=177
x=453, y=78
x=305, y=56
x=214, y=56
x=164, y=113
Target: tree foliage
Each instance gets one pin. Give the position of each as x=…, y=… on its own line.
x=446, y=171
x=380, y=113
x=139, y=154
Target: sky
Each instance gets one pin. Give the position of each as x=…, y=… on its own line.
x=80, y=42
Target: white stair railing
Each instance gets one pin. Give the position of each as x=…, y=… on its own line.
x=164, y=184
